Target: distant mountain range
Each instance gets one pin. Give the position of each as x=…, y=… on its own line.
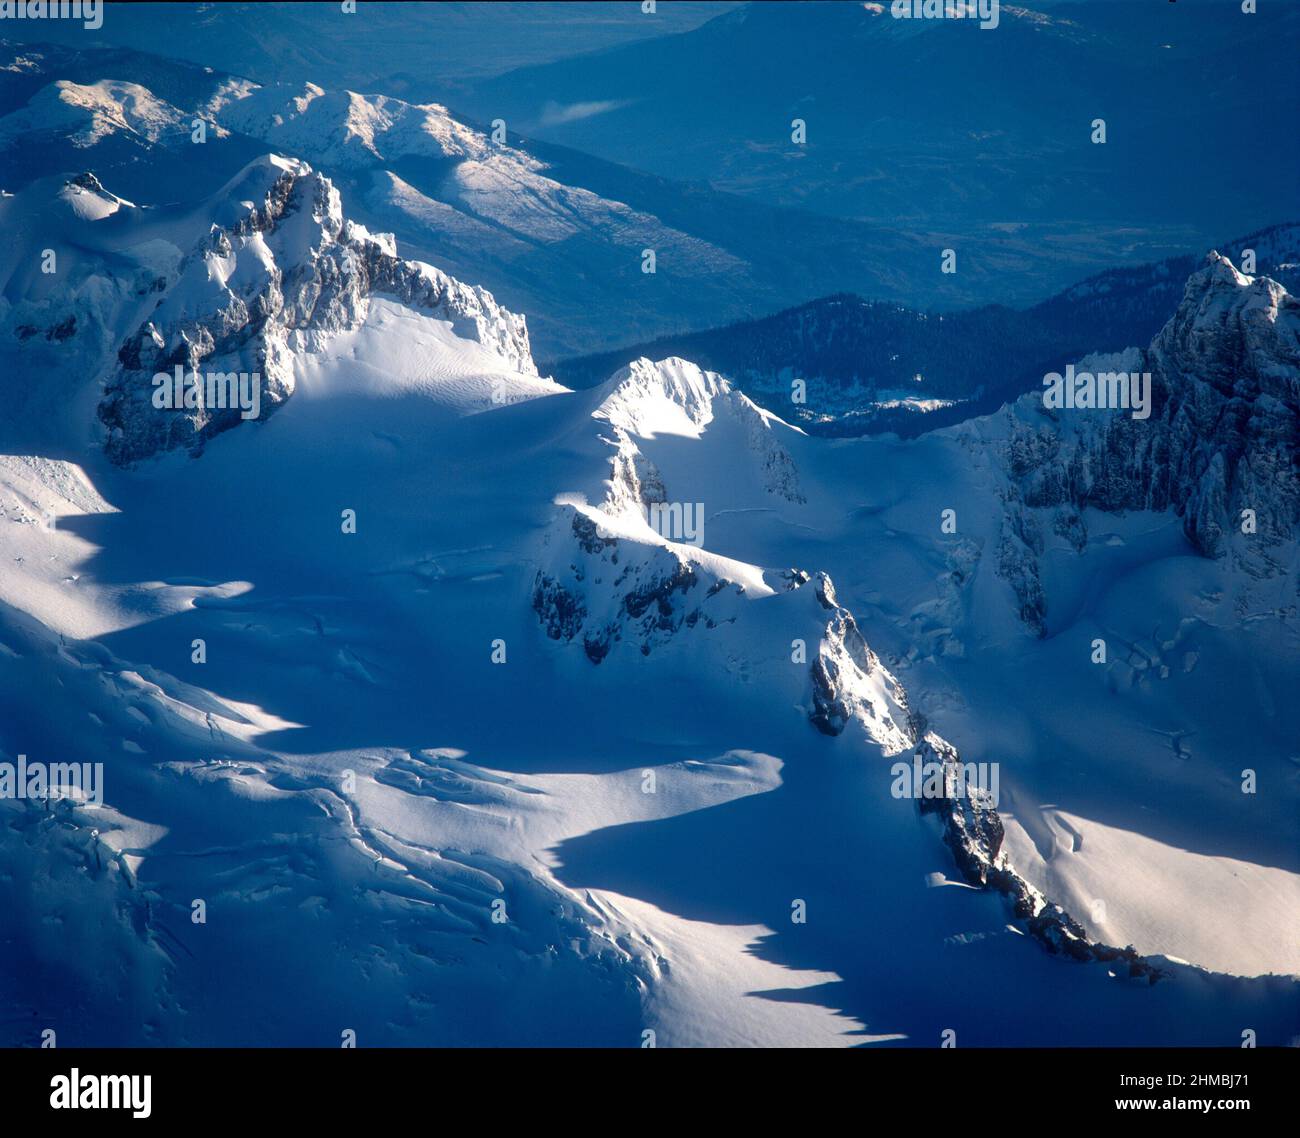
x=870, y=366
x=553, y=232
x=927, y=124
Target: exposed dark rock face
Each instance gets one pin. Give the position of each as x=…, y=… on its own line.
x=660, y=593
x=64, y=329
x=561, y=611
x=88, y=181
x=607, y=593
x=590, y=539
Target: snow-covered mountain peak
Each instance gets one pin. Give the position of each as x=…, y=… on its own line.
x=1239, y=334
x=1218, y=447
x=675, y=396
x=1219, y=268
x=345, y=128
x=88, y=200
x=88, y=113
x=281, y=273
x=636, y=565
x=651, y=403
x=672, y=396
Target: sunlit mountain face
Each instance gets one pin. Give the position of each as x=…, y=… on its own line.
x=629, y=525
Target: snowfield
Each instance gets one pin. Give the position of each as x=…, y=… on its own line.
x=454, y=745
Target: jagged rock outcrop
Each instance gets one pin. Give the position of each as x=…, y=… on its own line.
x=1223, y=435
x=973, y=832
x=615, y=588
x=289, y=272
x=850, y=683
x=1221, y=448
x=844, y=671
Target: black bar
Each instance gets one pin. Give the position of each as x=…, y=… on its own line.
x=1072, y=1085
